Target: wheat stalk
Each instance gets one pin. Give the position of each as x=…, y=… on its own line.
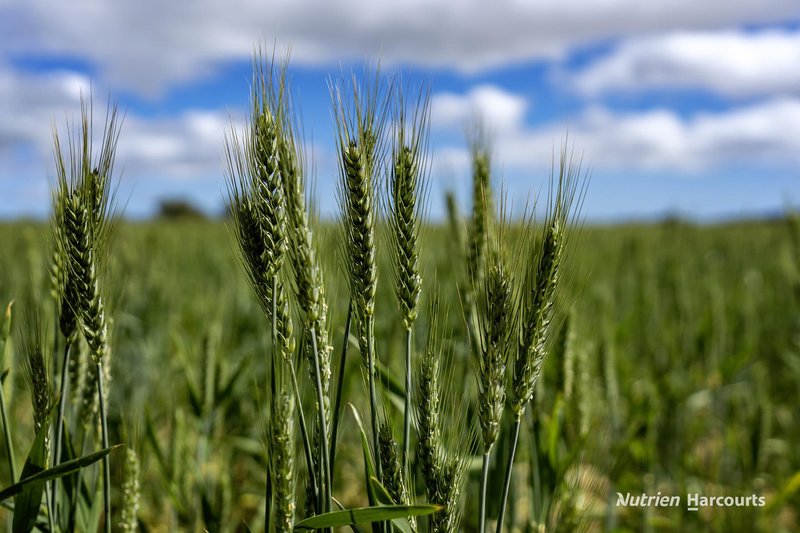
x=84, y=211
x=406, y=204
x=257, y=193
x=482, y=206
x=36, y=363
x=309, y=288
x=444, y=438
x=496, y=327
x=538, y=299
x=360, y=121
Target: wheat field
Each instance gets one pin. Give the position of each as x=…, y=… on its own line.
x=271, y=371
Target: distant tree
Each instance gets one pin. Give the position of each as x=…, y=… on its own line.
x=178, y=208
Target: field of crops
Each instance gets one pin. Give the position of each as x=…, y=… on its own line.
x=269, y=372
x=677, y=372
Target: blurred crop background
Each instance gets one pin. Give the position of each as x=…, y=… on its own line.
x=678, y=365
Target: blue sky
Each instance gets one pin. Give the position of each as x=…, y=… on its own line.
x=677, y=107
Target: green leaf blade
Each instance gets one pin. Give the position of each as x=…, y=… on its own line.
x=364, y=515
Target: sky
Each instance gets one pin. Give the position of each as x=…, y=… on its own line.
x=675, y=107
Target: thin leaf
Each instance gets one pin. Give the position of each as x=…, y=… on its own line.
x=364, y=515
x=63, y=469
x=26, y=506
x=384, y=498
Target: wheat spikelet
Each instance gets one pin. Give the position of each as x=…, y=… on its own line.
x=131, y=492
x=82, y=260
x=269, y=198
x=482, y=206
x=428, y=416
x=255, y=186
x=360, y=123
x=36, y=363
x=444, y=438
x=360, y=229
x=541, y=282
x=284, y=331
x=248, y=234
x=537, y=312
x=537, y=300
x=392, y=470
x=82, y=214
x=282, y=460
x=496, y=319
x=406, y=200
x=62, y=281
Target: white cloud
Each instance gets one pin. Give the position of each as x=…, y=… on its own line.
x=734, y=63
x=168, y=152
x=146, y=45
x=32, y=102
x=500, y=110
x=764, y=134
x=186, y=147
x=450, y=161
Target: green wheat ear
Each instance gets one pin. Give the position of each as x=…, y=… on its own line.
x=496, y=321
x=131, y=492
x=541, y=282
x=538, y=297
x=406, y=198
x=36, y=364
x=445, y=439
x=308, y=278
x=360, y=121
x=256, y=191
x=258, y=207
x=281, y=457
x=360, y=129
x=393, y=478
x=482, y=204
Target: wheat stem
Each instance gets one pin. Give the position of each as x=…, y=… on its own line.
x=104, y=441
x=59, y=431
x=484, y=479
x=274, y=338
x=507, y=482
x=49, y=502
x=325, y=474
x=407, y=410
x=339, y=385
x=304, y=431
x=373, y=400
